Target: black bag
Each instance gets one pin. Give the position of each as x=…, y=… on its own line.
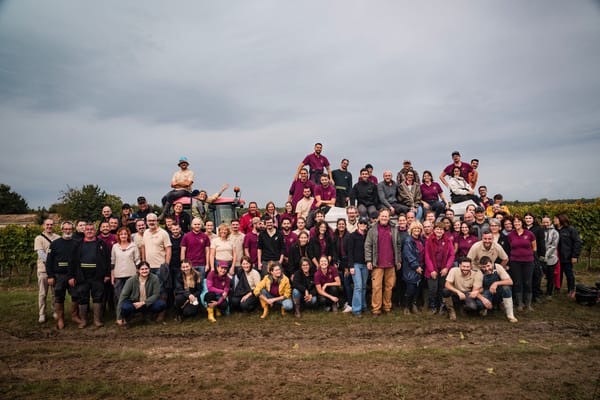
x=586, y=295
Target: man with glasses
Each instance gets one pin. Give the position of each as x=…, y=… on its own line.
x=157, y=252
x=41, y=245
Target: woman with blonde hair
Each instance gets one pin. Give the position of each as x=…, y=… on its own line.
x=222, y=250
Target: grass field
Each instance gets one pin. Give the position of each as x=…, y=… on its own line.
x=552, y=353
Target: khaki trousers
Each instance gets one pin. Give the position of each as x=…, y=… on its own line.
x=382, y=283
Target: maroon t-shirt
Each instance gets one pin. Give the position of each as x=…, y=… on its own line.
x=465, y=244
x=521, y=246
x=328, y=277
x=297, y=190
x=251, y=243
x=195, y=244
x=326, y=193
x=465, y=169
x=431, y=192
x=385, y=250
x=315, y=163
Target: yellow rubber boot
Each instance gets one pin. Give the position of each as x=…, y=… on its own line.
x=265, y=307
x=211, y=314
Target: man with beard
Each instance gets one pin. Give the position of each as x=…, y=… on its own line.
x=157, y=250
x=247, y=218
x=181, y=185
x=41, y=245
x=296, y=191
x=316, y=164
x=195, y=246
x=270, y=246
x=364, y=195
x=251, y=241
x=90, y=271
x=342, y=179
x=487, y=247
x=387, y=191
x=289, y=238
x=383, y=258
x=58, y=268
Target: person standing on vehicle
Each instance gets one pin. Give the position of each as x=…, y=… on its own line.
x=316, y=164
x=342, y=179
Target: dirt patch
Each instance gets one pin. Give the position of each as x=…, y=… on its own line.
x=319, y=356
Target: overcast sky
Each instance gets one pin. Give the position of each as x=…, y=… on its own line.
x=112, y=93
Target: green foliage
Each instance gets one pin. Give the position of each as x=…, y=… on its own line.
x=85, y=203
x=11, y=202
x=16, y=247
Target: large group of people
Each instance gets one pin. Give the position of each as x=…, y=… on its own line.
x=398, y=244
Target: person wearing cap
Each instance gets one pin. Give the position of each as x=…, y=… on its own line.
x=181, y=185
x=126, y=219
x=465, y=169
x=358, y=266
x=143, y=209
x=316, y=164
x=406, y=166
x=215, y=297
x=481, y=222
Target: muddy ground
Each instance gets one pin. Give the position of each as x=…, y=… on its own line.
x=321, y=356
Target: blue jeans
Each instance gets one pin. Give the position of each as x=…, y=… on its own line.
x=296, y=294
x=287, y=304
x=128, y=309
x=359, y=295
x=502, y=292
x=201, y=269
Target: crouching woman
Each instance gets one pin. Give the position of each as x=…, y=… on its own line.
x=274, y=289
x=188, y=287
x=140, y=294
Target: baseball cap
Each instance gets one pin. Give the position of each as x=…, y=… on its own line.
x=183, y=159
x=141, y=200
x=363, y=220
x=125, y=206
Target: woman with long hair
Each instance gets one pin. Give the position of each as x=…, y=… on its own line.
x=523, y=247
x=125, y=256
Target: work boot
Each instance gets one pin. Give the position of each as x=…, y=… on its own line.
x=75, y=312
x=97, y=309
x=83, y=309
x=211, y=314
x=265, y=307
x=450, y=307
x=519, y=298
x=508, y=309
x=297, y=313
x=414, y=309
x=59, y=309
x=160, y=317
x=527, y=301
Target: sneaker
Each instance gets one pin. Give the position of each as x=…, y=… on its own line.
x=406, y=311
x=347, y=308
x=55, y=316
x=42, y=319
x=483, y=312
